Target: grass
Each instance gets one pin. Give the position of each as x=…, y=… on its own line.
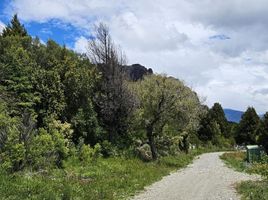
x=112, y=178
x=253, y=190
x=235, y=160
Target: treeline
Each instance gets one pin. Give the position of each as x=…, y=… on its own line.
x=56, y=104
x=216, y=130
x=252, y=129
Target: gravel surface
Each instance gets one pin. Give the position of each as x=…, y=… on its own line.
x=208, y=178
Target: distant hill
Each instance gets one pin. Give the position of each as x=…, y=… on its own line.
x=233, y=115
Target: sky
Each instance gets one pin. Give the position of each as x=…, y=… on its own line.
x=218, y=48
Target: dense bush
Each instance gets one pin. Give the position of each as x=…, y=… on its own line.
x=50, y=147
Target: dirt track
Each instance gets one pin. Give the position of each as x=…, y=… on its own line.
x=208, y=178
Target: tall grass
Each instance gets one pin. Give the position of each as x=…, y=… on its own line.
x=112, y=178
x=237, y=160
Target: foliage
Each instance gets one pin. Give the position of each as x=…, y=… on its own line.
x=70, y=124
x=259, y=168
x=263, y=132
x=217, y=114
x=48, y=81
x=87, y=154
x=15, y=28
x=164, y=101
x=13, y=147
x=214, y=127
x=235, y=159
x=238, y=161
x=50, y=147
x=248, y=126
x=257, y=190
x=254, y=190
x=108, y=149
x=50, y=89
x=114, y=102
x=79, y=84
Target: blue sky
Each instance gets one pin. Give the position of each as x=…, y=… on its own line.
x=221, y=52
x=63, y=33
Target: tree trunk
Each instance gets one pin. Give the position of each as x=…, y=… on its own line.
x=152, y=142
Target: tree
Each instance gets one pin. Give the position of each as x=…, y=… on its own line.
x=217, y=114
x=162, y=101
x=49, y=88
x=263, y=132
x=15, y=28
x=214, y=126
x=43, y=88
x=247, y=127
x=114, y=103
x=204, y=131
x=80, y=81
x=16, y=68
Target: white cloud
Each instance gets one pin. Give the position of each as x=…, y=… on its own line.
x=2, y=26
x=80, y=45
x=176, y=37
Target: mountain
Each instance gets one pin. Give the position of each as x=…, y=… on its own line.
x=136, y=71
x=233, y=115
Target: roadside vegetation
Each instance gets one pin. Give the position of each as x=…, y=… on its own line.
x=254, y=190
x=109, y=178
x=76, y=126
x=237, y=160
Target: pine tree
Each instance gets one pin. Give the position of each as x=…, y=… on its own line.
x=247, y=129
x=15, y=28
x=214, y=125
x=217, y=114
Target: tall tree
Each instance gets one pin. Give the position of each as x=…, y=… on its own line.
x=80, y=81
x=113, y=101
x=204, y=132
x=16, y=67
x=214, y=126
x=15, y=28
x=248, y=126
x=217, y=114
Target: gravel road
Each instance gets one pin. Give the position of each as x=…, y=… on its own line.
x=207, y=178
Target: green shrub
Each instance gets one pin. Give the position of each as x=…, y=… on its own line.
x=50, y=147
x=264, y=159
x=12, y=147
x=259, y=168
x=87, y=154
x=108, y=149
x=42, y=151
